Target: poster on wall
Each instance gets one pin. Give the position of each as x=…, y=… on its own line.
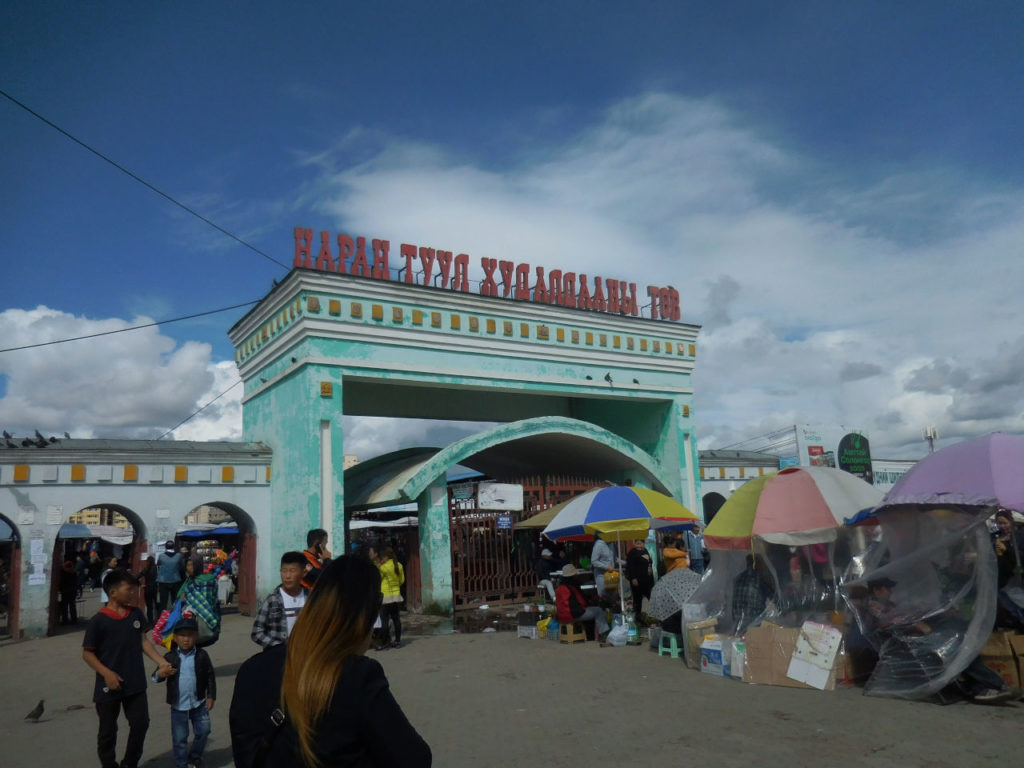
x=835, y=446
x=499, y=496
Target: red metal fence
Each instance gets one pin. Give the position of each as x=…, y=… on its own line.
x=492, y=564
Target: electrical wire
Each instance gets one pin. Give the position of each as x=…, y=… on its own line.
x=132, y=328
x=201, y=409
x=142, y=181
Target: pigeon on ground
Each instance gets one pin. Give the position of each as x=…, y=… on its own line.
x=36, y=713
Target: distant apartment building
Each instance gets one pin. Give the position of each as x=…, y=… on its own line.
x=99, y=516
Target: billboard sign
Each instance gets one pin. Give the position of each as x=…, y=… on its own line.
x=847, y=449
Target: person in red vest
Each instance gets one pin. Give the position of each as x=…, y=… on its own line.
x=570, y=605
x=317, y=556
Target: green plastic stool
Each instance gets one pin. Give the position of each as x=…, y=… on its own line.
x=673, y=647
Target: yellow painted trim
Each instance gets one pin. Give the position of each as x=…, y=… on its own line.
x=77, y=473
x=227, y=474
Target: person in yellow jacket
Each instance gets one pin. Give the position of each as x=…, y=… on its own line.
x=392, y=576
x=674, y=554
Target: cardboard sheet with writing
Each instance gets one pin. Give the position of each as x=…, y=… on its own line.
x=769, y=650
x=815, y=654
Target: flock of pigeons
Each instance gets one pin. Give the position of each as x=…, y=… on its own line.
x=38, y=441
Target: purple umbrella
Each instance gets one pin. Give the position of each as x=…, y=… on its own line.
x=985, y=472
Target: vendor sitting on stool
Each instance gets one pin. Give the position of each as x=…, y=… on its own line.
x=980, y=683
x=570, y=605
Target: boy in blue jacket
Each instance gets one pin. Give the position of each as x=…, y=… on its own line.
x=191, y=692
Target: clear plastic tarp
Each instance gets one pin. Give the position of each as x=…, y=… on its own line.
x=924, y=595
x=786, y=585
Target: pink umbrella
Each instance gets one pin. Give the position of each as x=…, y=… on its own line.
x=985, y=472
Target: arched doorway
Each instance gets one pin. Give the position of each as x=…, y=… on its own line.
x=219, y=526
x=10, y=577
x=97, y=533
x=712, y=503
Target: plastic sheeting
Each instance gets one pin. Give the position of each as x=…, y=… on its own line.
x=798, y=584
x=924, y=594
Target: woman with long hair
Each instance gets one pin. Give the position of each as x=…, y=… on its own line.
x=336, y=704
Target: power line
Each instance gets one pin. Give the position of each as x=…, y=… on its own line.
x=142, y=181
x=132, y=328
x=203, y=408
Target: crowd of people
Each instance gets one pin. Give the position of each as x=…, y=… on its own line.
x=310, y=692
x=313, y=693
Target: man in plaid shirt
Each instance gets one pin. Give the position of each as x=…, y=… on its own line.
x=277, y=615
x=750, y=593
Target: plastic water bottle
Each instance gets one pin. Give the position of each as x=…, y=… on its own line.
x=631, y=631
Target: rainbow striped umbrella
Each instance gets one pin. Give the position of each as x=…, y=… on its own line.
x=619, y=513
x=795, y=506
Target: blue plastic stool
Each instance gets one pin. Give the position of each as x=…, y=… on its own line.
x=673, y=647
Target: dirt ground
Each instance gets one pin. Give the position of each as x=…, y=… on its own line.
x=494, y=699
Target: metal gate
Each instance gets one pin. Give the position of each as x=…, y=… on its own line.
x=491, y=563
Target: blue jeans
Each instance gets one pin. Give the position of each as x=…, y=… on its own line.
x=180, y=718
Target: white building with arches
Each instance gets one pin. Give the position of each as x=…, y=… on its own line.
x=153, y=484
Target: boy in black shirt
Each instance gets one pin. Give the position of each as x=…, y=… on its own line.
x=113, y=646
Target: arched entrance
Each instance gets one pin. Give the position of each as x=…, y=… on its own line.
x=10, y=577
x=98, y=533
x=712, y=503
x=219, y=526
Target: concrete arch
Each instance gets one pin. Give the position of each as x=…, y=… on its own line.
x=137, y=550
x=10, y=555
x=598, y=439
x=245, y=596
x=245, y=521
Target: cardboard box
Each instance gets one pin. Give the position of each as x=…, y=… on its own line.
x=758, y=664
x=770, y=649
x=998, y=655
x=693, y=636
x=1017, y=644
x=739, y=658
x=712, y=657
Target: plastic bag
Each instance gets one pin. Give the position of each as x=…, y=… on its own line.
x=618, y=636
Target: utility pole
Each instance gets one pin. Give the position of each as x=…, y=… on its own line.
x=930, y=434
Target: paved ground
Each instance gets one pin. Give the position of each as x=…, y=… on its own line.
x=497, y=700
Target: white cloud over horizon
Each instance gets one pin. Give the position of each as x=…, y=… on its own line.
x=879, y=298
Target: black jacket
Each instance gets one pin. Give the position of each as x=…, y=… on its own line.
x=206, y=682
x=364, y=726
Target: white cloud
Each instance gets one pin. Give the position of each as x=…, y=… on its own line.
x=132, y=384
x=817, y=285
x=885, y=299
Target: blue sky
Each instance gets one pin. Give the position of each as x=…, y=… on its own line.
x=836, y=188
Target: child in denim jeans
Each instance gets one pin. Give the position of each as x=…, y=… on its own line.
x=191, y=692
